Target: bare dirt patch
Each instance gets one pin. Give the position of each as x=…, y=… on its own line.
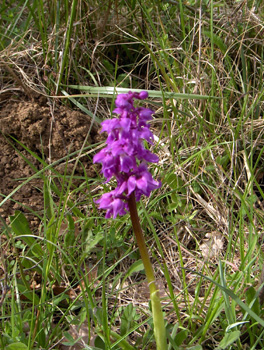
x=51, y=133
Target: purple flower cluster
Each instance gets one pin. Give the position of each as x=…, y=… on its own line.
x=125, y=156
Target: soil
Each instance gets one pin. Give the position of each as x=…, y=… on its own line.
x=51, y=134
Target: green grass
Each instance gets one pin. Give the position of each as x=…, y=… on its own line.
x=202, y=63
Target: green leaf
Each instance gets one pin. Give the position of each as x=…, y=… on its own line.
x=217, y=41
x=109, y=91
x=171, y=180
x=30, y=295
x=234, y=325
x=156, y=216
x=253, y=300
x=172, y=206
x=99, y=343
x=181, y=336
x=228, y=339
x=252, y=199
x=128, y=319
x=175, y=197
x=123, y=80
x=210, y=168
x=196, y=187
x=71, y=341
x=92, y=241
x=135, y=267
x=48, y=200
x=223, y=160
x=17, y=346
x=70, y=233
x=20, y=226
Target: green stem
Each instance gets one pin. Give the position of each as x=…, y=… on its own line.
x=158, y=320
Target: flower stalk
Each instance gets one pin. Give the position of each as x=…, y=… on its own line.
x=158, y=320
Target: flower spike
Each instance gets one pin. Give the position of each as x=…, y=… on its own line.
x=125, y=156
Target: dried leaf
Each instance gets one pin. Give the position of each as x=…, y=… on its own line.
x=213, y=246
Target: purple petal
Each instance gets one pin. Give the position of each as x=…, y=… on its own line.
x=113, y=204
x=123, y=112
x=118, y=208
x=122, y=188
x=122, y=101
x=146, y=134
x=131, y=184
x=127, y=164
x=125, y=123
x=105, y=200
x=99, y=157
x=144, y=154
x=145, y=113
x=109, y=124
x=143, y=95
x=142, y=184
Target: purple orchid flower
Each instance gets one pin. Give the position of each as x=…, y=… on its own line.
x=125, y=156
